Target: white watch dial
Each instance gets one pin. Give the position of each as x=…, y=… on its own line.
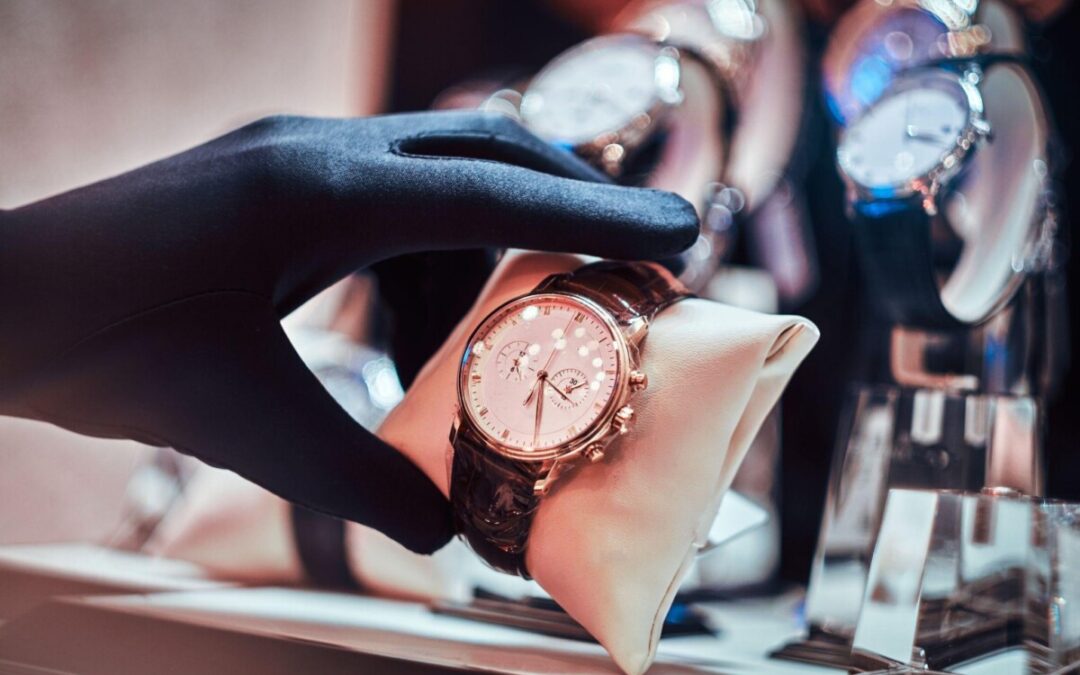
x=596, y=90
x=903, y=136
x=539, y=373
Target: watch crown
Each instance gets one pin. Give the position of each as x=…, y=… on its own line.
x=623, y=415
x=595, y=452
x=638, y=380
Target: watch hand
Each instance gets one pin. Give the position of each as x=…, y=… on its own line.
x=532, y=391
x=557, y=391
x=555, y=352
x=544, y=371
x=539, y=414
x=577, y=386
x=914, y=133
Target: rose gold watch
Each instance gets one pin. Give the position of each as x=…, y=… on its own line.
x=545, y=382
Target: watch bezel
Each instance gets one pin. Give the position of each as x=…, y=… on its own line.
x=664, y=97
x=600, y=427
x=929, y=182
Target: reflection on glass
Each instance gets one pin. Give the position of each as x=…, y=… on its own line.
x=1052, y=632
x=958, y=576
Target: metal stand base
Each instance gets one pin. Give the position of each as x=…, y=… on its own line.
x=819, y=648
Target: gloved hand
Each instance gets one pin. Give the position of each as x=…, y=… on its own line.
x=147, y=306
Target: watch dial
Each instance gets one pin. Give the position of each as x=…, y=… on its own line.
x=903, y=136
x=539, y=372
x=590, y=92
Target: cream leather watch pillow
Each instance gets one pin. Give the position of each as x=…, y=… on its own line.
x=613, y=540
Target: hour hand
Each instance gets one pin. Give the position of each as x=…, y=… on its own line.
x=532, y=392
x=536, y=385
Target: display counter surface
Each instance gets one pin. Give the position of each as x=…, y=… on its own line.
x=283, y=630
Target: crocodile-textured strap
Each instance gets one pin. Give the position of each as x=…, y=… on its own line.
x=493, y=502
x=627, y=289
x=493, y=496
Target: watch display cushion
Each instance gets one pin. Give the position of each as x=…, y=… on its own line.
x=613, y=540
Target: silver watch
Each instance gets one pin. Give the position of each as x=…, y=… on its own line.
x=605, y=97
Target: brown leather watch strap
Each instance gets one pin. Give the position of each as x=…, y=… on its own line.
x=628, y=289
x=493, y=496
x=493, y=502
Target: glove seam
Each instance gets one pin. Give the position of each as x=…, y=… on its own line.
x=396, y=145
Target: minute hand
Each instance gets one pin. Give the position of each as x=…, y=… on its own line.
x=913, y=133
x=551, y=357
x=554, y=351
x=539, y=413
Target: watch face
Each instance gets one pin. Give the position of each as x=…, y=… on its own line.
x=595, y=89
x=539, y=373
x=909, y=132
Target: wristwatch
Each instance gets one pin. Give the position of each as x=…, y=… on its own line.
x=544, y=383
x=605, y=97
x=901, y=159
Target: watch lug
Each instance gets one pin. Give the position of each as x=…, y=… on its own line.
x=548, y=474
x=611, y=158
x=621, y=422
x=455, y=428
x=636, y=330
x=927, y=194
x=929, y=205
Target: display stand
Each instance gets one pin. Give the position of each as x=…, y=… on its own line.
x=959, y=411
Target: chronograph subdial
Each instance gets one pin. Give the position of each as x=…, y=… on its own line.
x=514, y=362
x=568, y=388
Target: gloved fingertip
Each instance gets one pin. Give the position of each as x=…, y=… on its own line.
x=428, y=541
x=660, y=224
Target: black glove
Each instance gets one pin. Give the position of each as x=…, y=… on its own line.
x=147, y=306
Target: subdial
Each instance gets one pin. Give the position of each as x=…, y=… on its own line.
x=568, y=388
x=514, y=361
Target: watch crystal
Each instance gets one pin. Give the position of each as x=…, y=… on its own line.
x=904, y=136
x=594, y=90
x=539, y=373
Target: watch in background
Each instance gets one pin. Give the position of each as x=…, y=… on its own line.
x=605, y=97
x=545, y=382
x=901, y=159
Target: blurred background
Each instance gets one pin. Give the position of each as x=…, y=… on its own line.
x=89, y=90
